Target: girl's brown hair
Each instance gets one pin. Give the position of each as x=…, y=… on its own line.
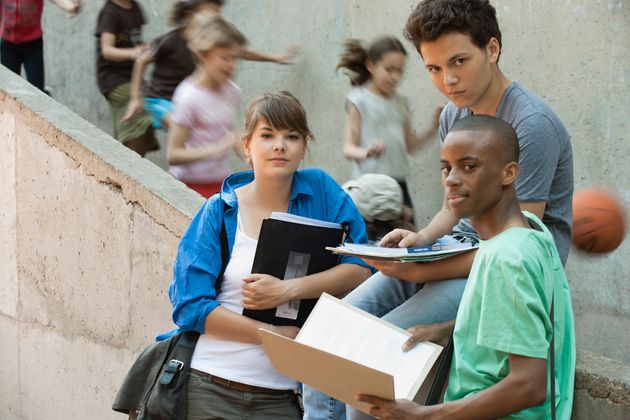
x=281, y=110
x=355, y=55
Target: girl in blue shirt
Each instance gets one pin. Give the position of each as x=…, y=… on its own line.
x=229, y=359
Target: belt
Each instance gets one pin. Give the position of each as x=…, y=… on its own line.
x=227, y=383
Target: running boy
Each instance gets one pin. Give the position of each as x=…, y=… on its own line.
x=505, y=324
x=119, y=44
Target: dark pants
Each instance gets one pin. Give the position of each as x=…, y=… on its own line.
x=209, y=401
x=30, y=55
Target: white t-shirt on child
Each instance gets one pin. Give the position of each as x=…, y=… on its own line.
x=382, y=118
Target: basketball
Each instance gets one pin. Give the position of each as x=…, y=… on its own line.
x=599, y=220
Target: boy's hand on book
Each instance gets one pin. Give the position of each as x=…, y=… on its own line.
x=402, y=238
x=435, y=333
x=262, y=291
x=399, y=409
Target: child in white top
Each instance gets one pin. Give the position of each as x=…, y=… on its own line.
x=205, y=107
x=378, y=135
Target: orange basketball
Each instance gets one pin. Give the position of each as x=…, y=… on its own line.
x=599, y=220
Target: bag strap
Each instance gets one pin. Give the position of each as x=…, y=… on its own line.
x=225, y=253
x=552, y=367
x=441, y=375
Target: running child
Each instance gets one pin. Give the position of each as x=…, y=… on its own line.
x=201, y=134
x=21, y=42
x=119, y=44
x=379, y=136
x=173, y=62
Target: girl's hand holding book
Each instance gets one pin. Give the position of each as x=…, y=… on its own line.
x=262, y=291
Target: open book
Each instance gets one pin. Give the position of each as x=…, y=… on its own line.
x=445, y=247
x=343, y=351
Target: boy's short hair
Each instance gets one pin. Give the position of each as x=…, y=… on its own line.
x=433, y=18
x=502, y=133
x=209, y=30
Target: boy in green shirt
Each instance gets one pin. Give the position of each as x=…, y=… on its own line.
x=503, y=330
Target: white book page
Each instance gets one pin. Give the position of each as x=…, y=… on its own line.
x=339, y=329
x=374, y=250
x=288, y=217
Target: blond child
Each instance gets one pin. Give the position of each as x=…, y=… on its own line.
x=201, y=134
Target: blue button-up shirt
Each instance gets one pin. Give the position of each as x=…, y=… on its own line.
x=193, y=295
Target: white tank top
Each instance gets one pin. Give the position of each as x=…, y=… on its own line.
x=234, y=360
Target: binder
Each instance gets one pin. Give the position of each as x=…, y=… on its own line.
x=292, y=246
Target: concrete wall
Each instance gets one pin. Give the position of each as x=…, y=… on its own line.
x=88, y=234
x=574, y=53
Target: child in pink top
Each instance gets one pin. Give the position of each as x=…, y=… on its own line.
x=205, y=107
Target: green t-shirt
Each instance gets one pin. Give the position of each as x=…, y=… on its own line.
x=505, y=309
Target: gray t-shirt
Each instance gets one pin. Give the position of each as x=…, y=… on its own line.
x=546, y=159
x=382, y=119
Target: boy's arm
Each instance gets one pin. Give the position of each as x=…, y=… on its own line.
x=72, y=7
x=449, y=268
x=111, y=53
x=287, y=58
x=524, y=387
x=137, y=75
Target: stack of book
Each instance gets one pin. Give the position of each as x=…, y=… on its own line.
x=445, y=247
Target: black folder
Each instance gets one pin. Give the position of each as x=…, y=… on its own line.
x=290, y=249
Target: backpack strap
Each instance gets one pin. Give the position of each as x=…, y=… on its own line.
x=441, y=375
x=225, y=253
x=552, y=367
